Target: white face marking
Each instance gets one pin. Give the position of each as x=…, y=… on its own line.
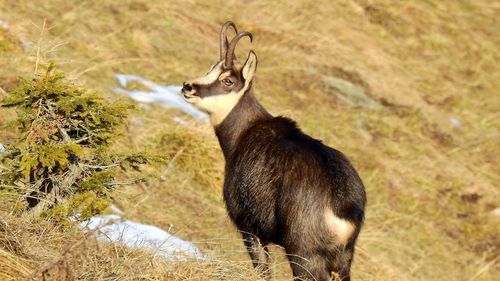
x=211, y=77
x=218, y=106
x=341, y=228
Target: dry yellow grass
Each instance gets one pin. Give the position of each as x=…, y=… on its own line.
x=432, y=188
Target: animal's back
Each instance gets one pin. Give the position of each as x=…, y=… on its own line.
x=279, y=180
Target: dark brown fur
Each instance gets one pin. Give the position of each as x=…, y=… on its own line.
x=279, y=182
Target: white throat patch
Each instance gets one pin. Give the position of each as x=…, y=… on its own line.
x=219, y=106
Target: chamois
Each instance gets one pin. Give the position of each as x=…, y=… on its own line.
x=281, y=186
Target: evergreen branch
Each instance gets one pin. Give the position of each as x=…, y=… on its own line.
x=99, y=167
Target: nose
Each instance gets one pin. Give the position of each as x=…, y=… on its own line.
x=186, y=87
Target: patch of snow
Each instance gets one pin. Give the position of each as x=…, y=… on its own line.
x=142, y=236
x=2, y=149
x=4, y=25
x=180, y=120
x=168, y=96
x=455, y=122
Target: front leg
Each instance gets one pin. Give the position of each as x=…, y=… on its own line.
x=258, y=253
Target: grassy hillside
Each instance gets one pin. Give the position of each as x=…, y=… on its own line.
x=432, y=186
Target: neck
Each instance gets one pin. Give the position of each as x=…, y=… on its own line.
x=246, y=112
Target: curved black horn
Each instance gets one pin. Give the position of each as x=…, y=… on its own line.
x=228, y=62
x=223, y=38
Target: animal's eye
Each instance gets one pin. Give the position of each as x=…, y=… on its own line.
x=227, y=82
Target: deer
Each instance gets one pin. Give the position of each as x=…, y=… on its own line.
x=281, y=186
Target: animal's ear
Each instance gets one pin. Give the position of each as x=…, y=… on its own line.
x=250, y=66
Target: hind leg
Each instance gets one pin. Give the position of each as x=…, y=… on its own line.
x=327, y=264
x=340, y=263
x=309, y=267
x=258, y=253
